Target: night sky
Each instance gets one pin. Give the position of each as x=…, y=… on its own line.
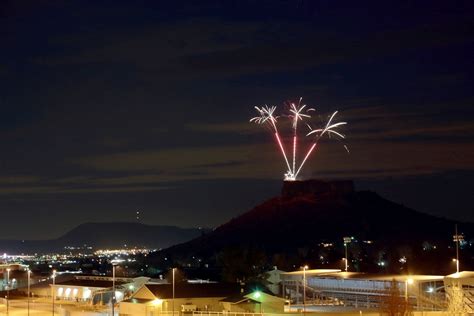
x=109, y=107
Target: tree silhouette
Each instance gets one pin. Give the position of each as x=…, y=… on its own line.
x=393, y=302
x=241, y=264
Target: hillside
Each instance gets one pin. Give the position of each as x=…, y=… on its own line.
x=106, y=235
x=309, y=213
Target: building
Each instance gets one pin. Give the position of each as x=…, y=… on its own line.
x=254, y=302
x=273, y=278
x=95, y=289
x=459, y=288
x=13, y=275
x=152, y=299
x=361, y=290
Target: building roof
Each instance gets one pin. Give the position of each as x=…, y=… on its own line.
x=137, y=301
x=237, y=298
x=252, y=297
x=187, y=290
x=380, y=277
x=311, y=272
x=462, y=275
x=89, y=283
x=338, y=274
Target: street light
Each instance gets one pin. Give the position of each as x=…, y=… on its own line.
x=172, y=304
x=304, y=288
x=8, y=289
x=155, y=303
x=114, y=264
x=457, y=239
x=257, y=294
x=53, y=288
x=29, y=273
x=347, y=240
x=408, y=281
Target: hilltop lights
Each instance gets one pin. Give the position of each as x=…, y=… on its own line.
x=296, y=113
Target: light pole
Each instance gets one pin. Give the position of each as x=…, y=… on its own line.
x=304, y=288
x=172, y=304
x=457, y=239
x=53, y=289
x=408, y=281
x=29, y=273
x=347, y=240
x=8, y=290
x=113, y=288
x=257, y=296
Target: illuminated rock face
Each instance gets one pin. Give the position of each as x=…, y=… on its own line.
x=317, y=187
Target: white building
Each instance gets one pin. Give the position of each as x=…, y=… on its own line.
x=96, y=289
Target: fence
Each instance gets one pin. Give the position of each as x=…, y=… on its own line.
x=206, y=313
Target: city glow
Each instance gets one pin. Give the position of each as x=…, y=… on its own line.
x=297, y=112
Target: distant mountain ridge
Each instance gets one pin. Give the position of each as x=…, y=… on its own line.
x=106, y=235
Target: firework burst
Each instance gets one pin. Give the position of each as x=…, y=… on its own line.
x=297, y=112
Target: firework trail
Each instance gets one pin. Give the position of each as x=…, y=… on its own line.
x=297, y=113
x=267, y=117
x=329, y=129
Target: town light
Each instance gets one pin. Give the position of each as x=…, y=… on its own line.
x=257, y=294
x=157, y=302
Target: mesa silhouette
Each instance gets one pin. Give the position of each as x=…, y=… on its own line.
x=307, y=223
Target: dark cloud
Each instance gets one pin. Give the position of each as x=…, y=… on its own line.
x=109, y=107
